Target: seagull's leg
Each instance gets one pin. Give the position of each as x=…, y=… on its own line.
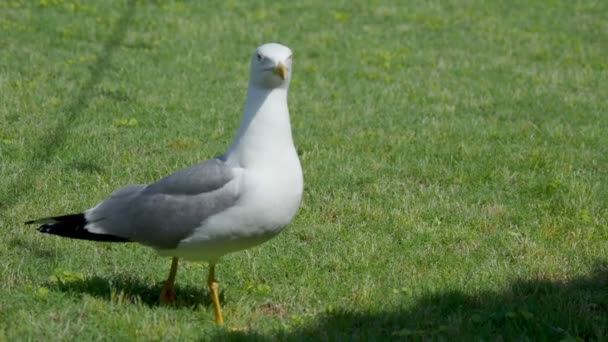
x=215, y=298
x=167, y=294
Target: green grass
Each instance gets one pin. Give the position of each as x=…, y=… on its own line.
x=455, y=157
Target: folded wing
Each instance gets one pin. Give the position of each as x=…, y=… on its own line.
x=164, y=213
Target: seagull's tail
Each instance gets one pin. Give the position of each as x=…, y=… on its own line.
x=72, y=226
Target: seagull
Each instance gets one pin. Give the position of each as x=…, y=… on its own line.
x=235, y=201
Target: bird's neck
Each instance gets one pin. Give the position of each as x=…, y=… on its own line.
x=265, y=130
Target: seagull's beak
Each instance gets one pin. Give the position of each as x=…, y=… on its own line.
x=281, y=71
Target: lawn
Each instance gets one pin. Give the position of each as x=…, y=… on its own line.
x=455, y=156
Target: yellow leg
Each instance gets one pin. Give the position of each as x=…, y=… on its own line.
x=215, y=298
x=167, y=294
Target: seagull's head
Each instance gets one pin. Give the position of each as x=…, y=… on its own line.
x=271, y=66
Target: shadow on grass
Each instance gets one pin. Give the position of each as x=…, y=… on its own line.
x=33, y=249
x=56, y=136
x=126, y=289
x=529, y=309
x=86, y=166
x=536, y=309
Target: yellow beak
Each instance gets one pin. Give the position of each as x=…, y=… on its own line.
x=281, y=70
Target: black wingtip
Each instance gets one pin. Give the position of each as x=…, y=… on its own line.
x=73, y=226
x=45, y=228
x=74, y=218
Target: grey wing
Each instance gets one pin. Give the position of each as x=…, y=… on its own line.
x=164, y=213
x=201, y=178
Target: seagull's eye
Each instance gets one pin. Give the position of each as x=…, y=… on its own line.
x=259, y=57
x=290, y=56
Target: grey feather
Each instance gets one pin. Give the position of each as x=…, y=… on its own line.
x=164, y=213
x=204, y=177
